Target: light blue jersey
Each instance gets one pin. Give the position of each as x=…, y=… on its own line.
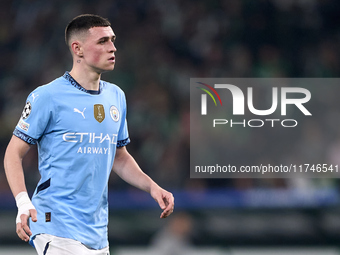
x=77, y=132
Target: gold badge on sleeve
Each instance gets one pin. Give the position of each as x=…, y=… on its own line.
x=99, y=113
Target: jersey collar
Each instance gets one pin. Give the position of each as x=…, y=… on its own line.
x=68, y=77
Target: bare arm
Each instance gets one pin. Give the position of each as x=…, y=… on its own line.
x=15, y=152
x=127, y=168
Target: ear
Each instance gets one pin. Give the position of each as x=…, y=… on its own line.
x=77, y=49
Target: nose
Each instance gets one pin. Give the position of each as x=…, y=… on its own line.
x=113, y=47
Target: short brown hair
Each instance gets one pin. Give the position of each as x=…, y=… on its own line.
x=84, y=22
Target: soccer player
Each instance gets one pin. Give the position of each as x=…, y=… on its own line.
x=79, y=124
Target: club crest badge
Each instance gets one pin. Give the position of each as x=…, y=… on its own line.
x=114, y=113
x=99, y=113
x=27, y=110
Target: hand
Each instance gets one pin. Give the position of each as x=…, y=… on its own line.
x=165, y=200
x=23, y=229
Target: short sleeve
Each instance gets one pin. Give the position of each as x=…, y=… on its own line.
x=123, y=134
x=35, y=116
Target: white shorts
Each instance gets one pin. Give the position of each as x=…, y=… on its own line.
x=46, y=244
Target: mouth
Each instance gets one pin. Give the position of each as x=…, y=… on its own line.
x=112, y=59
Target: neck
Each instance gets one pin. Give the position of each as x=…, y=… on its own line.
x=88, y=79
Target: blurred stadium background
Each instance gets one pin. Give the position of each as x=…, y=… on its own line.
x=161, y=45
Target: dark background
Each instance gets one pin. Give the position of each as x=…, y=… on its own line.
x=161, y=45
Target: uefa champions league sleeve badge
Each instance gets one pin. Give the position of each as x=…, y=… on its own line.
x=27, y=110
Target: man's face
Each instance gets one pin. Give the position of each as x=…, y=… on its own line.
x=99, y=49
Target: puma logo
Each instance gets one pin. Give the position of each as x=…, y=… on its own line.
x=82, y=113
x=34, y=97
